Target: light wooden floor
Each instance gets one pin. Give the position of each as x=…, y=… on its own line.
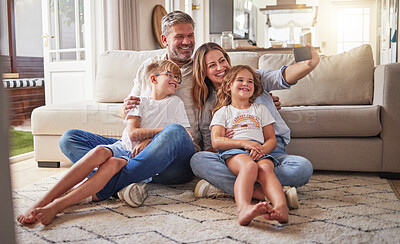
x=27, y=172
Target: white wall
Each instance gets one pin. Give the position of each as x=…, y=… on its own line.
x=326, y=28
x=202, y=27
x=146, y=39
x=28, y=28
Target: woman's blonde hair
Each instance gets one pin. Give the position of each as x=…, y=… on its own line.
x=224, y=96
x=201, y=83
x=160, y=66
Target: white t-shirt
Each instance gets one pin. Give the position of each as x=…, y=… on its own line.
x=142, y=88
x=156, y=114
x=246, y=124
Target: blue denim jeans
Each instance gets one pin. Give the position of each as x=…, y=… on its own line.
x=291, y=170
x=166, y=159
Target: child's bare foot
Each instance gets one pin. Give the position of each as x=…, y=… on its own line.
x=45, y=214
x=279, y=213
x=27, y=218
x=248, y=214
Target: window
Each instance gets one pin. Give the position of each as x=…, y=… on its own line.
x=66, y=39
x=288, y=35
x=353, y=28
x=286, y=28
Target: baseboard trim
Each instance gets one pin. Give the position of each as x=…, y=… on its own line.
x=21, y=157
x=389, y=176
x=48, y=164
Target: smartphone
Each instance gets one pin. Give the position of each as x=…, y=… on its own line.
x=302, y=53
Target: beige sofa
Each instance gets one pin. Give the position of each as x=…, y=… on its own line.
x=344, y=116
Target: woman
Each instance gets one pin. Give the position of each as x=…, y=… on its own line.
x=209, y=67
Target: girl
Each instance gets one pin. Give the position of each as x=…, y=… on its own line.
x=247, y=153
x=210, y=65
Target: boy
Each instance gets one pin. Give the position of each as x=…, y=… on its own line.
x=144, y=122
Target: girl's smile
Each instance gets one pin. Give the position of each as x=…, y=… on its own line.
x=243, y=85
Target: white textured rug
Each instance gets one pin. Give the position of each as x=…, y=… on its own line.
x=334, y=208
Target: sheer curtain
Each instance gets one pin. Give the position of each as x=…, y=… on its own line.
x=292, y=19
x=121, y=30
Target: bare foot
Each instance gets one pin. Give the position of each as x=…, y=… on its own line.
x=45, y=214
x=279, y=213
x=27, y=218
x=248, y=214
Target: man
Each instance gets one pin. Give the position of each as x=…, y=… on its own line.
x=178, y=37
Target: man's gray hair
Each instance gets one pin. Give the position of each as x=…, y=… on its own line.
x=173, y=18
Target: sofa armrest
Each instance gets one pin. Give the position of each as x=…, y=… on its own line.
x=386, y=94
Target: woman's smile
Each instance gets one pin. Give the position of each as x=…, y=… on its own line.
x=217, y=65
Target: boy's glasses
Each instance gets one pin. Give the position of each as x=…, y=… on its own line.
x=171, y=76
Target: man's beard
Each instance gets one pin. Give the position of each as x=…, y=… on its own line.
x=181, y=57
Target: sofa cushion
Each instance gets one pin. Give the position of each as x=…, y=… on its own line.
x=99, y=118
x=333, y=121
x=342, y=79
x=249, y=58
x=340, y=154
x=115, y=73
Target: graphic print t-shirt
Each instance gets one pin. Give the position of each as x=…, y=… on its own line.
x=246, y=124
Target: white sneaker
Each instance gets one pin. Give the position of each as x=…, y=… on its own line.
x=205, y=189
x=86, y=200
x=291, y=197
x=292, y=200
x=134, y=194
